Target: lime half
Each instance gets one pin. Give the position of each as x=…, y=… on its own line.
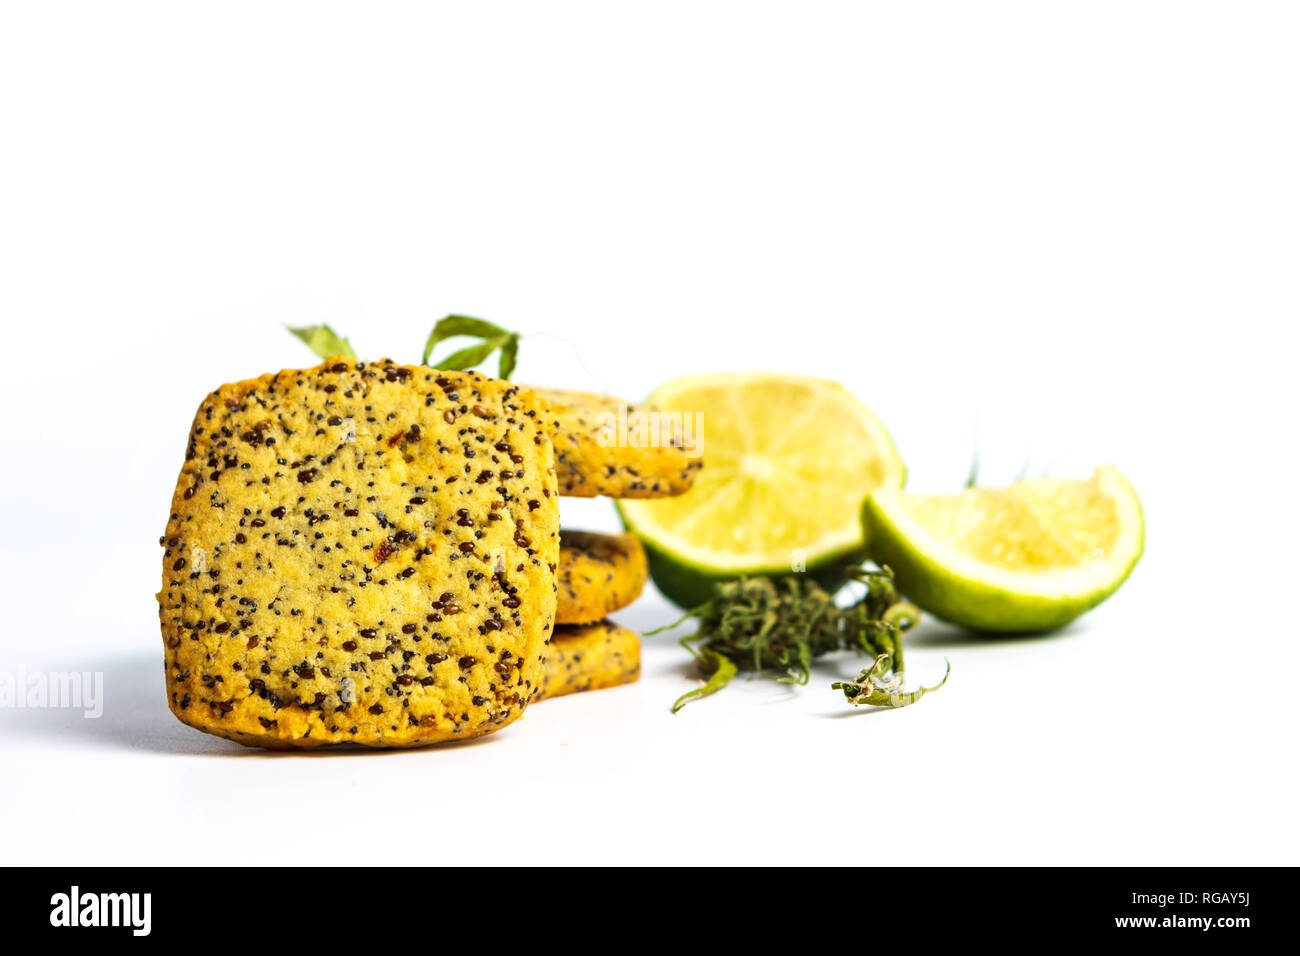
x=787, y=463
x=1029, y=557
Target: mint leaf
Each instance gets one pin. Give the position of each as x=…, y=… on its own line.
x=494, y=337
x=324, y=341
x=509, y=356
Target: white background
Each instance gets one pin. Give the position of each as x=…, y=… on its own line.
x=1073, y=229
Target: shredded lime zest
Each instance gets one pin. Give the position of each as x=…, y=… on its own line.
x=777, y=626
x=877, y=686
x=722, y=671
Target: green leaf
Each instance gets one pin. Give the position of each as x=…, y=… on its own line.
x=509, y=356
x=777, y=626
x=471, y=355
x=724, y=669
x=494, y=337
x=973, y=476
x=324, y=341
x=454, y=325
x=879, y=686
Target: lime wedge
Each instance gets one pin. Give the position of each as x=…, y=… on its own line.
x=787, y=462
x=1028, y=557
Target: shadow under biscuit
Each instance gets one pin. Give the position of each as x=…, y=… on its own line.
x=134, y=712
x=135, y=717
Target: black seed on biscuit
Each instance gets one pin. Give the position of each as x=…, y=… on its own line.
x=598, y=452
x=597, y=574
x=357, y=544
x=589, y=657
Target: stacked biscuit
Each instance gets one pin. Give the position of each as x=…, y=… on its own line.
x=370, y=552
x=600, y=573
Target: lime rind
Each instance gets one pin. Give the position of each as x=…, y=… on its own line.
x=844, y=537
x=958, y=588
x=687, y=584
x=685, y=561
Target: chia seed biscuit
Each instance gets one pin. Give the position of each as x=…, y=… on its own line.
x=598, y=450
x=590, y=657
x=598, y=574
x=360, y=552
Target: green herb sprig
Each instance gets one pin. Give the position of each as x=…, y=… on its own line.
x=493, y=337
x=324, y=341
x=777, y=626
x=876, y=686
x=327, y=343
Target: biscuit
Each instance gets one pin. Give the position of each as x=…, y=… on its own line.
x=598, y=574
x=601, y=449
x=590, y=657
x=360, y=552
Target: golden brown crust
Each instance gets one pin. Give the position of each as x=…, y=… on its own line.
x=601, y=449
x=360, y=552
x=590, y=657
x=598, y=574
